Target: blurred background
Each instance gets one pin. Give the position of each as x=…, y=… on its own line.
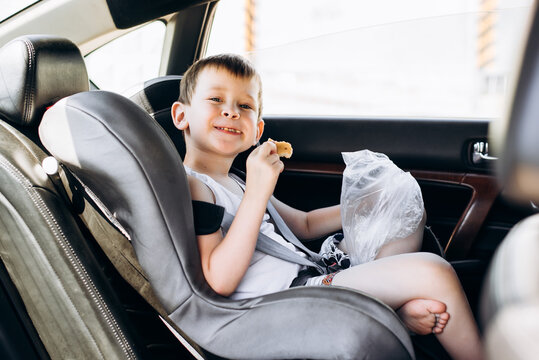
x=386, y=58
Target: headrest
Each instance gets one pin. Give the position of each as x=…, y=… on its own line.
x=157, y=94
x=125, y=158
x=35, y=72
x=514, y=137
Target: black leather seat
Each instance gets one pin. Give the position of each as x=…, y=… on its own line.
x=71, y=298
x=127, y=160
x=510, y=304
x=37, y=71
x=156, y=97
x=43, y=248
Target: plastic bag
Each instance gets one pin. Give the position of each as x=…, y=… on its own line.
x=379, y=203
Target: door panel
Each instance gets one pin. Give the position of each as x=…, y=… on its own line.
x=462, y=200
x=436, y=144
x=459, y=196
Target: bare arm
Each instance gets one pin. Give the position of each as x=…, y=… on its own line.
x=312, y=224
x=226, y=259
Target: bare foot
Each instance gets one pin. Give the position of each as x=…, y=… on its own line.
x=423, y=316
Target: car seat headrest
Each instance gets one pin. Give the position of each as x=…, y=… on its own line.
x=124, y=157
x=514, y=137
x=157, y=94
x=35, y=72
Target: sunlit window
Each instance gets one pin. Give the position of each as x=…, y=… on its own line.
x=387, y=58
x=128, y=60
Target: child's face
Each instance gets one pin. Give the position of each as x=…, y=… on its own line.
x=223, y=114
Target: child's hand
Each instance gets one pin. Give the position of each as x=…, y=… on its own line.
x=263, y=169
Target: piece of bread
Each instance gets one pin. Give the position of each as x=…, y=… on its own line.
x=283, y=148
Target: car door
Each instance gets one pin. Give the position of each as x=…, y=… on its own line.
x=418, y=84
x=461, y=199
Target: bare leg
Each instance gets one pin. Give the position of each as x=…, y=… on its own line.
x=398, y=279
x=421, y=316
x=411, y=243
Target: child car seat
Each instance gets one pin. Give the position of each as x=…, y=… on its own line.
x=130, y=164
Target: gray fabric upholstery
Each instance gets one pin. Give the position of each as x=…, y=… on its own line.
x=128, y=161
x=510, y=303
x=35, y=72
x=514, y=275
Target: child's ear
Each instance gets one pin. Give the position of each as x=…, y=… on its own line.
x=259, y=130
x=178, y=115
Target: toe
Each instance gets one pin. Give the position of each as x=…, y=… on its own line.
x=444, y=316
x=434, y=306
x=440, y=323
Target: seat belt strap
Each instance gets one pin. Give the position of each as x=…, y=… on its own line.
x=271, y=247
x=288, y=234
x=283, y=228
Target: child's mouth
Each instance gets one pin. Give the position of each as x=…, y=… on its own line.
x=229, y=130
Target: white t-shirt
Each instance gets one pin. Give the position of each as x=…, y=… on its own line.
x=266, y=274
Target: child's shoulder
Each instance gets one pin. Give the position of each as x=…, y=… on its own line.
x=199, y=190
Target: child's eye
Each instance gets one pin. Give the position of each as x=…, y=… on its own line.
x=215, y=99
x=246, y=106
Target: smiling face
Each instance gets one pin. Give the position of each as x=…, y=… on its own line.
x=222, y=116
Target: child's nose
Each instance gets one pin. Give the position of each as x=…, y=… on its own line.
x=230, y=114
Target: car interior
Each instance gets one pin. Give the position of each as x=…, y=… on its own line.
x=94, y=201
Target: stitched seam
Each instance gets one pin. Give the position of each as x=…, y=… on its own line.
x=72, y=258
x=32, y=194
x=28, y=88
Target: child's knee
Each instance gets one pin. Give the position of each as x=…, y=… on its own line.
x=436, y=267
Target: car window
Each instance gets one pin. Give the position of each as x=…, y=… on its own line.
x=128, y=60
x=11, y=7
x=419, y=58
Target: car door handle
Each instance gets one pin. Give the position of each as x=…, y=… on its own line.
x=480, y=154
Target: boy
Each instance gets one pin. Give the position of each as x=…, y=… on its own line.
x=219, y=110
